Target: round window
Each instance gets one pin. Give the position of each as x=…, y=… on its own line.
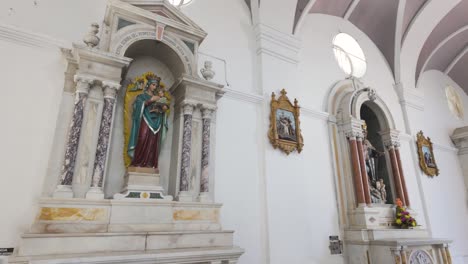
x=179, y=3
x=349, y=55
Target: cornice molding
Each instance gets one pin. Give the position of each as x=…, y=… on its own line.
x=31, y=39
x=243, y=96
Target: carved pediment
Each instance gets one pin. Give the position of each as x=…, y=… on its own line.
x=152, y=12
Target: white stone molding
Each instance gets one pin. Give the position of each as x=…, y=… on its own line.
x=413, y=98
x=277, y=44
x=244, y=96
x=27, y=38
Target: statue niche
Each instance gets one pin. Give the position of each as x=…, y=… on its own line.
x=146, y=112
x=376, y=166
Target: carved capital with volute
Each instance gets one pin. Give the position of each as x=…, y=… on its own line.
x=390, y=138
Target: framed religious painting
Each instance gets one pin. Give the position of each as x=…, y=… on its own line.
x=426, y=155
x=285, y=132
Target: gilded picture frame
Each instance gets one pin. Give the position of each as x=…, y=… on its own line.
x=285, y=132
x=426, y=155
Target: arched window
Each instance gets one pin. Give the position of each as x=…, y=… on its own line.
x=349, y=55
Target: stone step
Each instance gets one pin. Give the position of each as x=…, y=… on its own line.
x=85, y=243
x=212, y=255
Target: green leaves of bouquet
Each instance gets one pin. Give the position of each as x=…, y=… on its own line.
x=403, y=219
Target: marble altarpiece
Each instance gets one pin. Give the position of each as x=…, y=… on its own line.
x=369, y=175
x=136, y=179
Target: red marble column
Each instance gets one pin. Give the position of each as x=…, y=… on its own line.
x=396, y=176
x=358, y=186
x=365, y=180
x=402, y=177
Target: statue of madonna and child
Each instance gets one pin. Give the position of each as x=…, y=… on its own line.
x=146, y=113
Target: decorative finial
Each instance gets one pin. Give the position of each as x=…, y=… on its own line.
x=208, y=72
x=283, y=92
x=91, y=39
x=372, y=94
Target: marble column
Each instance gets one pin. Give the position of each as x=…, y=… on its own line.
x=396, y=174
x=205, y=161
x=396, y=253
x=358, y=185
x=184, y=194
x=83, y=85
x=447, y=253
x=365, y=177
x=402, y=176
x=110, y=92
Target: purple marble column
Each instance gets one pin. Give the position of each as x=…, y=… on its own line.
x=205, y=169
x=186, y=147
x=110, y=92
x=83, y=85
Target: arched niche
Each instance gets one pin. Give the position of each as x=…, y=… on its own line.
x=132, y=35
x=350, y=103
x=159, y=58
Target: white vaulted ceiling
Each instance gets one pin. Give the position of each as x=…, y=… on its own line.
x=388, y=22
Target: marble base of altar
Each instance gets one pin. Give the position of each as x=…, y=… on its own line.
x=375, y=216
x=400, y=251
x=143, y=183
x=139, y=231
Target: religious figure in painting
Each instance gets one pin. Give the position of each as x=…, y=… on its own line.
x=148, y=122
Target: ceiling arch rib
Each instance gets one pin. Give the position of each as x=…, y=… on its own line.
x=457, y=58
x=412, y=10
x=458, y=72
x=455, y=20
x=445, y=48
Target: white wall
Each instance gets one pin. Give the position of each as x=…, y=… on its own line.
x=32, y=81
x=446, y=194
x=282, y=207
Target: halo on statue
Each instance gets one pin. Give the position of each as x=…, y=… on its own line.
x=136, y=87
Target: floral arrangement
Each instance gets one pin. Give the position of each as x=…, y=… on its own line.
x=403, y=218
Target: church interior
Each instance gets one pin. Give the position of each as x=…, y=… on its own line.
x=234, y=131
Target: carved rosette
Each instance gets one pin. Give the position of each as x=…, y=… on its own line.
x=205, y=176
x=83, y=85
x=186, y=147
x=110, y=91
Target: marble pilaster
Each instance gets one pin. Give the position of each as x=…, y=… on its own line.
x=83, y=85
x=110, y=92
x=205, y=168
x=186, y=151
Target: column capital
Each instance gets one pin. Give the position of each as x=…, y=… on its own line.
x=83, y=82
x=390, y=138
x=188, y=107
x=353, y=128
x=207, y=111
x=110, y=89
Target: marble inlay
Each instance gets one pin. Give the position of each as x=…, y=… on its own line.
x=205, y=176
x=193, y=215
x=72, y=214
x=186, y=149
x=73, y=139
x=103, y=142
